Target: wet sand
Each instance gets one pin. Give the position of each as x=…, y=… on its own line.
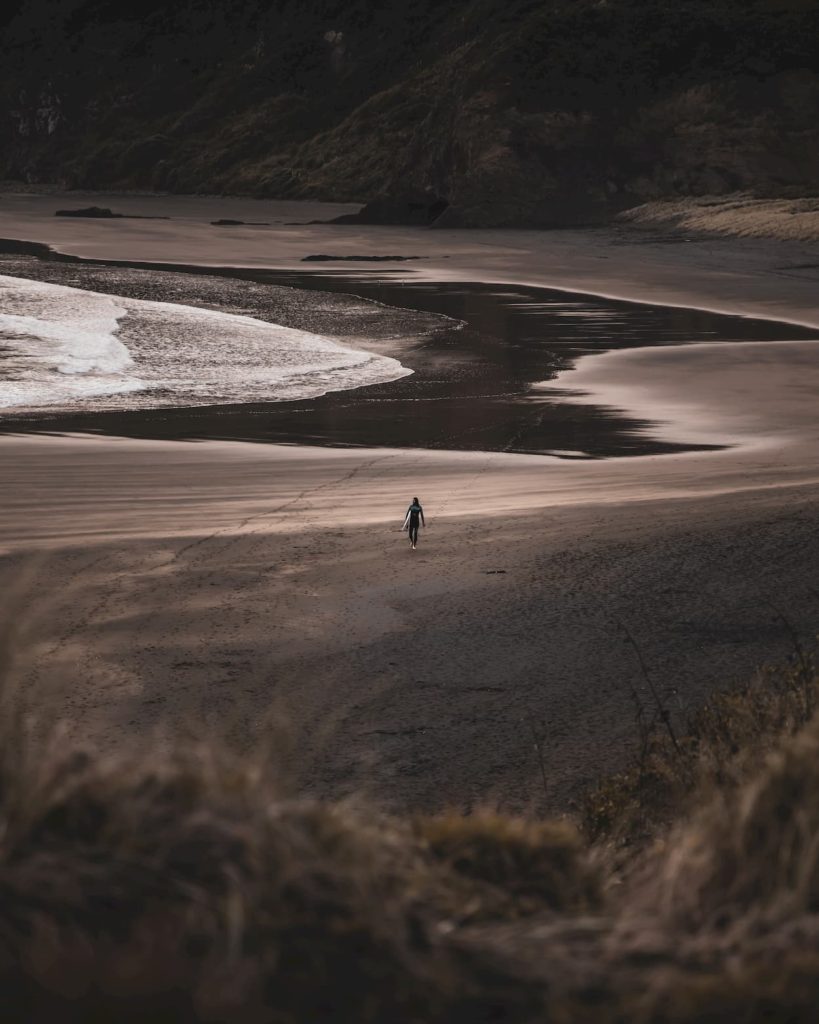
x=485, y=362
x=226, y=581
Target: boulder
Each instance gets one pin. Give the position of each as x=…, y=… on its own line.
x=95, y=212
x=421, y=211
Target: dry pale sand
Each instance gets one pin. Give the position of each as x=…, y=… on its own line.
x=178, y=582
x=752, y=276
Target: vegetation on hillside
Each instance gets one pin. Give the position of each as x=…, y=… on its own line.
x=480, y=112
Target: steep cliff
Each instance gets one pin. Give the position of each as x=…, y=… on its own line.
x=475, y=112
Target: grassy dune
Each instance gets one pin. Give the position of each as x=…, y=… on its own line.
x=740, y=215
x=185, y=883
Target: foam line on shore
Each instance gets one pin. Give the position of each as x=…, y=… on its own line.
x=65, y=350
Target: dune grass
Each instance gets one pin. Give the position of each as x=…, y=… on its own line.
x=185, y=882
x=741, y=215
x=720, y=746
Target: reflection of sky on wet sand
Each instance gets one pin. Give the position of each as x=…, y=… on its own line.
x=476, y=380
x=520, y=339
x=757, y=395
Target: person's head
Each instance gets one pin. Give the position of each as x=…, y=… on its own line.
x=415, y=501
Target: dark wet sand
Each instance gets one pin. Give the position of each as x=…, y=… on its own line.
x=476, y=351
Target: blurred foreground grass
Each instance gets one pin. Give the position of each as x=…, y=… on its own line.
x=186, y=883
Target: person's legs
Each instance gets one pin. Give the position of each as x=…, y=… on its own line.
x=413, y=534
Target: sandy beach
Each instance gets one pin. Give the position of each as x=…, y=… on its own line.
x=222, y=582
x=761, y=277
x=180, y=584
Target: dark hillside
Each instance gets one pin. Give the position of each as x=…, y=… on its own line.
x=509, y=111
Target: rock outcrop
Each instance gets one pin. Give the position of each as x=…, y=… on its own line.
x=93, y=212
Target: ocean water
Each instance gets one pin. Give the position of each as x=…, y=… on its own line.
x=488, y=360
x=67, y=349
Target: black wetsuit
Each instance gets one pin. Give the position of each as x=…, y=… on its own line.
x=415, y=513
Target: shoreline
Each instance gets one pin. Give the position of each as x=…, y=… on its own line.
x=642, y=264
x=221, y=582
x=454, y=380
x=441, y=275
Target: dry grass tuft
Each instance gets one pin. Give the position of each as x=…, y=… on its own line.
x=193, y=872
x=516, y=866
x=723, y=743
x=767, y=991
x=752, y=856
x=186, y=884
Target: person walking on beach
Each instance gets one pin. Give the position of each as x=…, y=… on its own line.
x=414, y=514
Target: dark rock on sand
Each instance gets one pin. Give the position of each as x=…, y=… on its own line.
x=94, y=212
x=322, y=258
x=103, y=213
x=19, y=247
x=229, y=222
x=421, y=211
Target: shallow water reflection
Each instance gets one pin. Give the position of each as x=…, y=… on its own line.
x=474, y=382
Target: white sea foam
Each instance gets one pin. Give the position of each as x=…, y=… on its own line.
x=59, y=344
x=65, y=347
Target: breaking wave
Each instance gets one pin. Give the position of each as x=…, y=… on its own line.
x=67, y=348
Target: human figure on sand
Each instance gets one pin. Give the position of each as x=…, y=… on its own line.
x=415, y=514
